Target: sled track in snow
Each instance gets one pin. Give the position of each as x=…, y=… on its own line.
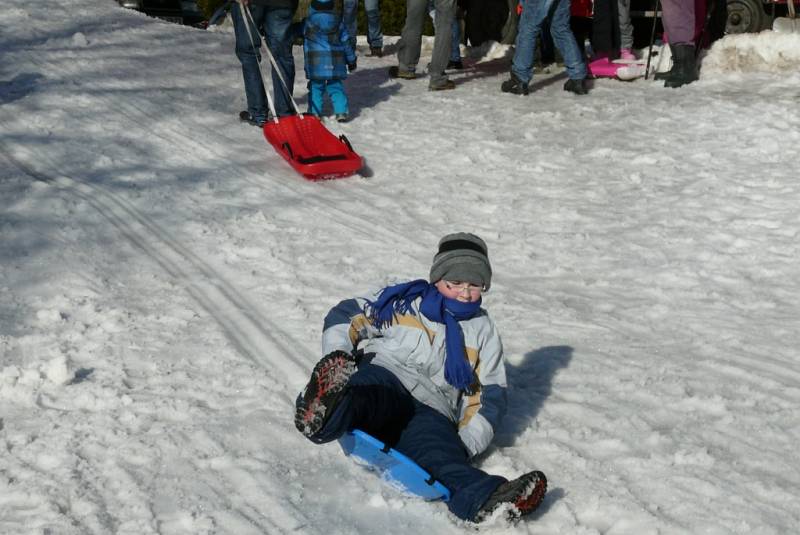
x=250, y=333
x=282, y=177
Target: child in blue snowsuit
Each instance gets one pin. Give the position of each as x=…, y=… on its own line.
x=328, y=57
x=420, y=366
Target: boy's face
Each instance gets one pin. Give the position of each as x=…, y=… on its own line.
x=460, y=291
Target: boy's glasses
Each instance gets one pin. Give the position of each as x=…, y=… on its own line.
x=461, y=287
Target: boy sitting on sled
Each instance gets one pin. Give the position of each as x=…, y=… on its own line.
x=421, y=368
x=328, y=57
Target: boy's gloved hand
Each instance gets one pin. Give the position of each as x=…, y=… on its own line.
x=352, y=66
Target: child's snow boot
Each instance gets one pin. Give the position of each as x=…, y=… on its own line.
x=521, y=496
x=323, y=392
x=602, y=68
x=627, y=55
x=342, y=117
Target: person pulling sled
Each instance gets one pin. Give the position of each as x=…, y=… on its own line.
x=420, y=366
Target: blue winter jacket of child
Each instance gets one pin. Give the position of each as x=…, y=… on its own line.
x=326, y=43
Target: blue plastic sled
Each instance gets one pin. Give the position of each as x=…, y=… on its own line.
x=393, y=466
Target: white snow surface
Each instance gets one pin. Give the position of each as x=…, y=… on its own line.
x=165, y=275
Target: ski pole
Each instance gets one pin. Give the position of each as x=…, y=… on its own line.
x=652, y=39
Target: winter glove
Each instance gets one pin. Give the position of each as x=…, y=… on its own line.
x=352, y=66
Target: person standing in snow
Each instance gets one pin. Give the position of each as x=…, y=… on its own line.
x=421, y=368
x=410, y=45
x=273, y=20
x=681, y=29
x=328, y=57
x=372, y=9
x=534, y=15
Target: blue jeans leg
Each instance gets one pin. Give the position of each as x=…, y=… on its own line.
x=564, y=39
x=530, y=25
x=248, y=53
x=373, y=12
x=274, y=23
x=349, y=17
x=374, y=31
x=455, y=46
x=338, y=96
x=276, y=26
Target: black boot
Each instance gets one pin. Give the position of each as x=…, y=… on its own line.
x=577, y=86
x=684, y=68
x=514, y=85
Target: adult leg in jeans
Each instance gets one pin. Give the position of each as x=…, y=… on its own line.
x=433, y=442
x=530, y=25
x=455, y=47
x=276, y=25
x=408, y=48
x=349, y=17
x=372, y=9
x=442, y=41
x=565, y=40
x=247, y=51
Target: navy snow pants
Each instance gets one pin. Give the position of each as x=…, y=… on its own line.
x=377, y=403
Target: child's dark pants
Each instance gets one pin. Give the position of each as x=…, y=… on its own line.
x=377, y=403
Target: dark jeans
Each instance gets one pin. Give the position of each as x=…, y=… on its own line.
x=273, y=23
x=377, y=403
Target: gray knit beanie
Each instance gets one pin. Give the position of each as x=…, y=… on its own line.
x=462, y=257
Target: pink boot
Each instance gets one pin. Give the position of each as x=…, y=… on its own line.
x=602, y=68
x=627, y=54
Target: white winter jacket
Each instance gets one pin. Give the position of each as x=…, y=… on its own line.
x=413, y=348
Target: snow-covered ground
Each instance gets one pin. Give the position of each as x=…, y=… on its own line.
x=165, y=276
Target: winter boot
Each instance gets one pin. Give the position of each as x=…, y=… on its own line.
x=577, y=86
x=602, y=68
x=342, y=117
x=323, y=392
x=376, y=52
x=455, y=64
x=514, y=85
x=522, y=496
x=627, y=55
x=442, y=86
x=396, y=72
x=684, y=68
x=245, y=117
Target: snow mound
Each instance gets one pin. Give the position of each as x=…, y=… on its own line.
x=767, y=51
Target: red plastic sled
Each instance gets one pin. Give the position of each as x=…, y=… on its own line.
x=311, y=148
